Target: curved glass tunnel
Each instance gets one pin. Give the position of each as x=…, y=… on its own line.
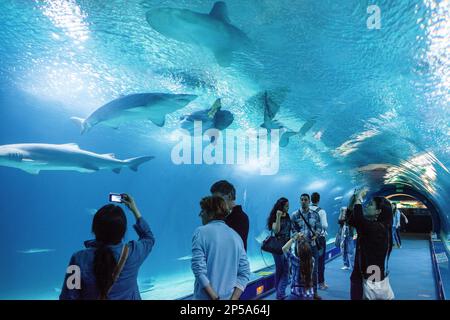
x=356, y=94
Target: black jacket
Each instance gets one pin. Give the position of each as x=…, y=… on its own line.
x=373, y=244
x=238, y=221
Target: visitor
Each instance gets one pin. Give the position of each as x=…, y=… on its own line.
x=374, y=242
x=237, y=219
x=311, y=230
x=279, y=223
x=109, y=268
x=322, y=239
x=219, y=261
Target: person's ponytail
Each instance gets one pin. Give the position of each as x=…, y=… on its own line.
x=104, y=265
x=109, y=226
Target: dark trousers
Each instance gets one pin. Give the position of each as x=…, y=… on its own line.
x=356, y=286
x=281, y=274
x=321, y=264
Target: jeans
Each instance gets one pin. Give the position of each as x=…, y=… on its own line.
x=348, y=249
x=281, y=274
x=396, y=236
x=321, y=264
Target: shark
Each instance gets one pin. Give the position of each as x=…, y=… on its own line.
x=135, y=107
x=212, y=30
x=269, y=101
x=213, y=118
x=36, y=157
x=287, y=133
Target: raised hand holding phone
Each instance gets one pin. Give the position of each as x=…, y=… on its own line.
x=131, y=204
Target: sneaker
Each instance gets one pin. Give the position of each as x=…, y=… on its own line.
x=345, y=268
x=323, y=286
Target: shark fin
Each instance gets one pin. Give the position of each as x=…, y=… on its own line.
x=220, y=11
x=223, y=57
x=306, y=127
x=271, y=107
x=116, y=170
x=215, y=107
x=158, y=120
x=134, y=163
x=81, y=122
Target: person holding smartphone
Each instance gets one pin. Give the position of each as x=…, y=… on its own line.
x=374, y=243
x=108, y=267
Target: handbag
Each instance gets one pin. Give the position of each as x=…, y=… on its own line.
x=272, y=245
x=378, y=290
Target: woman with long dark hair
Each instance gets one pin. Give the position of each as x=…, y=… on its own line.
x=279, y=223
x=108, y=268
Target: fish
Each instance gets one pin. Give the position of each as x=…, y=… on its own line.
x=269, y=101
x=284, y=139
x=213, y=118
x=135, y=107
x=35, y=157
x=212, y=30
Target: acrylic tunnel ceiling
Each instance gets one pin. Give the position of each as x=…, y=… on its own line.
x=366, y=103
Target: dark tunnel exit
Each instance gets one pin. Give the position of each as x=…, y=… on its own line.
x=423, y=216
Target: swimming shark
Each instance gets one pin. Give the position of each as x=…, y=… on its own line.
x=213, y=31
x=284, y=139
x=269, y=101
x=213, y=118
x=135, y=107
x=34, y=157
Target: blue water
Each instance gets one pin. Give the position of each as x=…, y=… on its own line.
x=378, y=97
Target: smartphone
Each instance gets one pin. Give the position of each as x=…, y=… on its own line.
x=115, y=197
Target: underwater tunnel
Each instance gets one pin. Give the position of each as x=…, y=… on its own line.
x=161, y=99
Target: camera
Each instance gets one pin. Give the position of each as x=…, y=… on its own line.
x=115, y=197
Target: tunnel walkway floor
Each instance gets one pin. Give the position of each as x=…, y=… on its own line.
x=411, y=273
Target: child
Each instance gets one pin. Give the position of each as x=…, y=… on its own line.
x=302, y=270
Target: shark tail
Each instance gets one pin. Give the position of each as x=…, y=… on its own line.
x=134, y=163
x=81, y=122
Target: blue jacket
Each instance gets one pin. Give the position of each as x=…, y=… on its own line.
x=218, y=259
x=125, y=288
